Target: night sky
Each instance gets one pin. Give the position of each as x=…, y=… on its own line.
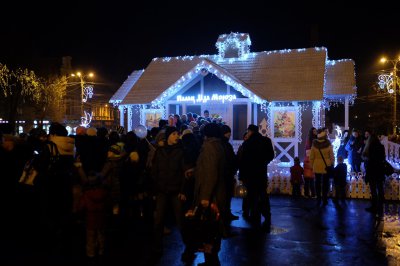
x=113, y=39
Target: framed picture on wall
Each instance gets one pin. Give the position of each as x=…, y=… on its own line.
x=284, y=122
x=151, y=117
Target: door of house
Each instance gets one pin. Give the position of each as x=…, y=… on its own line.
x=221, y=110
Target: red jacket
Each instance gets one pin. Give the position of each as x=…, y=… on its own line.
x=296, y=174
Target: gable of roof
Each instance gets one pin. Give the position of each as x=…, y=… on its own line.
x=120, y=94
x=340, y=79
x=159, y=76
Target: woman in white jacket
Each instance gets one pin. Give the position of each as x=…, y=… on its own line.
x=321, y=147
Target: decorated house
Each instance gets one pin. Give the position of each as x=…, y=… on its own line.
x=285, y=92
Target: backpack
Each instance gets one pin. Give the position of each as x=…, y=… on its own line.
x=54, y=158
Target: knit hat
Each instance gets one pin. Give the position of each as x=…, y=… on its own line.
x=225, y=129
x=160, y=136
x=321, y=135
x=91, y=131
x=186, y=131
x=169, y=131
x=116, y=149
x=212, y=130
x=253, y=128
x=193, y=124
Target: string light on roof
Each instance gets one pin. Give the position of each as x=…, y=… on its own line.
x=197, y=70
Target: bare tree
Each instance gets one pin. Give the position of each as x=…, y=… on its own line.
x=51, y=101
x=16, y=88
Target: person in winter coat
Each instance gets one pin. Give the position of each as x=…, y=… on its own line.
x=321, y=150
x=169, y=182
x=257, y=153
x=231, y=163
x=210, y=187
x=339, y=179
x=296, y=177
x=355, y=147
x=374, y=157
x=93, y=204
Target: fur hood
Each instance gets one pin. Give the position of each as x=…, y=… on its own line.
x=321, y=143
x=65, y=145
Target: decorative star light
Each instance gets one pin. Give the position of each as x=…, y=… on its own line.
x=386, y=82
x=85, y=120
x=87, y=93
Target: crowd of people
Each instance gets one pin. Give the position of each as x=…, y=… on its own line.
x=185, y=165
x=319, y=166
x=105, y=178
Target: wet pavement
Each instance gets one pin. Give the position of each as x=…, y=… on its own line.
x=302, y=233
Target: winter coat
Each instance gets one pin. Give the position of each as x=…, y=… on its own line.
x=374, y=156
x=340, y=174
x=210, y=172
x=296, y=174
x=168, y=169
x=257, y=152
x=111, y=174
x=94, y=204
x=315, y=156
x=308, y=168
x=354, y=147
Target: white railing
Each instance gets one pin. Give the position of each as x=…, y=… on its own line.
x=392, y=151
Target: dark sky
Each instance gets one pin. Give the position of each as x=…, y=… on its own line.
x=113, y=39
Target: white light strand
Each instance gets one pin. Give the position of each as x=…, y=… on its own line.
x=87, y=93
x=86, y=119
x=160, y=100
x=316, y=114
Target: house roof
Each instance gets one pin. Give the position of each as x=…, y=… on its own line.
x=285, y=75
x=340, y=79
x=120, y=94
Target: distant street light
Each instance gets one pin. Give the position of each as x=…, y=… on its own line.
x=389, y=82
x=86, y=92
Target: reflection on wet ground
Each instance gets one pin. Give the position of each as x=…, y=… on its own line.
x=302, y=233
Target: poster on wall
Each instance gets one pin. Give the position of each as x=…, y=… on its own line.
x=284, y=124
x=151, y=118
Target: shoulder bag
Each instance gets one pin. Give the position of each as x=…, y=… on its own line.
x=329, y=169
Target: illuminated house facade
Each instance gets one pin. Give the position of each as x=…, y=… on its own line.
x=285, y=92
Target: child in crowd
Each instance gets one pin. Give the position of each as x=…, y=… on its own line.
x=296, y=177
x=339, y=179
x=93, y=204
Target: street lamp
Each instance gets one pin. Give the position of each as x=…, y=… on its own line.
x=86, y=92
x=390, y=82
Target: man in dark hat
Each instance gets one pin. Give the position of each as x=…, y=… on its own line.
x=231, y=163
x=257, y=153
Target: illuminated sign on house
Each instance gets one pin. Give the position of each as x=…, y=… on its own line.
x=205, y=98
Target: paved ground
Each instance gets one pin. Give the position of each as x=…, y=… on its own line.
x=302, y=234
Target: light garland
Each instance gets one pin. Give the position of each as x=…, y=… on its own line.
x=87, y=93
x=316, y=114
x=240, y=41
x=86, y=119
x=197, y=70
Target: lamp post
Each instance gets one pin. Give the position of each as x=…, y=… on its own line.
x=390, y=82
x=86, y=92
